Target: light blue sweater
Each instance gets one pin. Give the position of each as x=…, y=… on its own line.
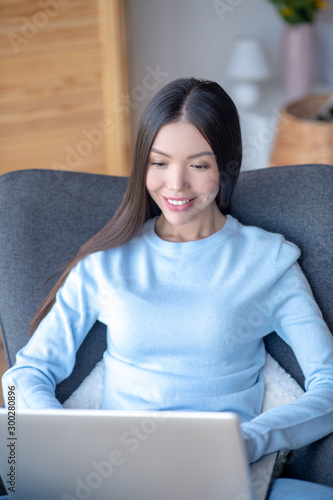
x=185, y=326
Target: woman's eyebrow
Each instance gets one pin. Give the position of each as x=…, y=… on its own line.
x=153, y=150
x=196, y=155
x=203, y=153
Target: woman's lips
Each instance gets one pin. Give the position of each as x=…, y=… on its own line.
x=178, y=204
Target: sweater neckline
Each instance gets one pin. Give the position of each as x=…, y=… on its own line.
x=153, y=239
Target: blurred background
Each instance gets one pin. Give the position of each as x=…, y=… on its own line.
x=75, y=75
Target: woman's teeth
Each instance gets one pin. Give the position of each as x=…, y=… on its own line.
x=176, y=202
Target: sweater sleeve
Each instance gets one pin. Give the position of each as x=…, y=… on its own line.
x=297, y=319
x=49, y=356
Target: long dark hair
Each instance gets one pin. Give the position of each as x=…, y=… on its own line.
x=206, y=106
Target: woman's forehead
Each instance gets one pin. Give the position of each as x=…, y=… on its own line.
x=180, y=137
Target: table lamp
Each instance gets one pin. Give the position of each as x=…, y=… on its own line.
x=247, y=66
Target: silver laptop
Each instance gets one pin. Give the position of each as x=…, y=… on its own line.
x=121, y=455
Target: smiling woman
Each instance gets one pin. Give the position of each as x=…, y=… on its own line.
x=184, y=191
x=202, y=104
x=184, y=278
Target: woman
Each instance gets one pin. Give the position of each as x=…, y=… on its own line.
x=182, y=278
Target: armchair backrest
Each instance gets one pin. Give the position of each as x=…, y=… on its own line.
x=46, y=215
x=296, y=201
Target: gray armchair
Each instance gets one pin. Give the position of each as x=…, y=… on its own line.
x=46, y=215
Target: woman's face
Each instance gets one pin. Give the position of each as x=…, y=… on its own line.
x=183, y=179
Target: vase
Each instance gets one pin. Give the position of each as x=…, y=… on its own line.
x=298, y=59
x=324, y=48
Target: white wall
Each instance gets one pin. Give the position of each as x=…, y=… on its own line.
x=193, y=38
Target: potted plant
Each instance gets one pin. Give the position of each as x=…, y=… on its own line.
x=296, y=12
x=298, y=42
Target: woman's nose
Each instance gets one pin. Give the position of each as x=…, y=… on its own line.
x=177, y=178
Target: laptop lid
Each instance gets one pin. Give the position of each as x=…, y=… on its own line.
x=120, y=455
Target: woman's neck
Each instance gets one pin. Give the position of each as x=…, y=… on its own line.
x=200, y=227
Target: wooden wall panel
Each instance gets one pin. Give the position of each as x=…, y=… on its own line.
x=113, y=39
x=53, y=92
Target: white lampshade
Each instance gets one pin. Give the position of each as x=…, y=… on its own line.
x=247, y=65
x=247, y=60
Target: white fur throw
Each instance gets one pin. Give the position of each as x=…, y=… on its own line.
x=280, y=388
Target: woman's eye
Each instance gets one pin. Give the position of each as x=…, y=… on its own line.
x=158, y=163
x=199, y=167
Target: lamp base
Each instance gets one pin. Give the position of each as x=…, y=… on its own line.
x=245, y=94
